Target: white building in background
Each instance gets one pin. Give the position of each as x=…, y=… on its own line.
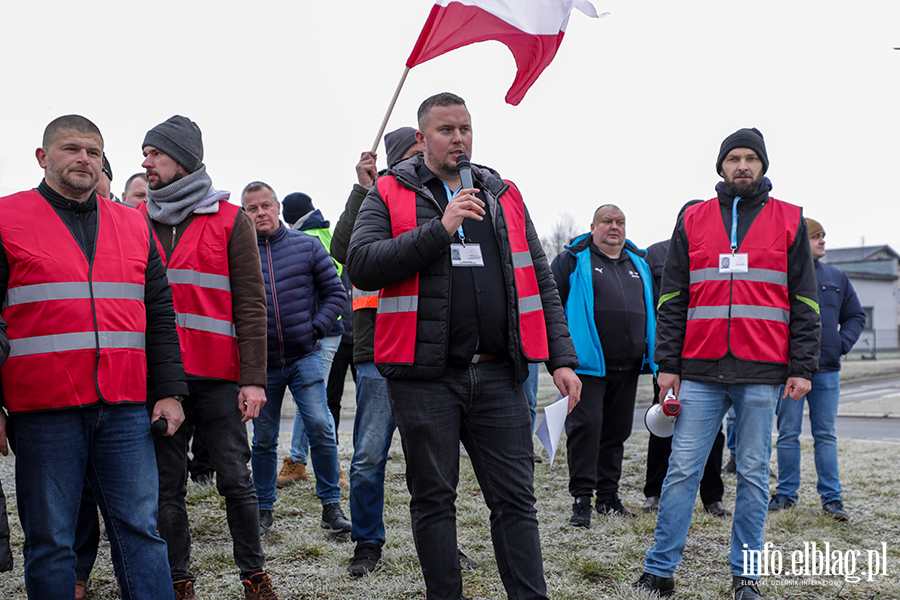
x=874, y=272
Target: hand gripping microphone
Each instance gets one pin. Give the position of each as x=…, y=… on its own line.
x=660, y=418
x=465, y=171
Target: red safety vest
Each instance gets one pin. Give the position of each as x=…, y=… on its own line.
x=201, y=291
x=747, y=313
x=395, y=327
x=76, y=330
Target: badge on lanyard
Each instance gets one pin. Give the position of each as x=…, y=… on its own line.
x=466, y=255
x=733, y=263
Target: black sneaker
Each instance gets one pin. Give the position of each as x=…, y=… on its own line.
x=333, y=519
x=466, y=563
x=779, y=502
x=744, y=589
x=661, y=586
x=365, y=560
x=266, y=520
x=581, y=513
x=731, y=465
x=835, y=508
x=614, y=507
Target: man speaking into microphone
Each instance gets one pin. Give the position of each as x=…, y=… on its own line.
x=467, y=301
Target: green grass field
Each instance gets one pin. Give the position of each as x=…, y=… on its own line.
x=602, y=562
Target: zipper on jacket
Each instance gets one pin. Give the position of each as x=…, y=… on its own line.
x=275, y=302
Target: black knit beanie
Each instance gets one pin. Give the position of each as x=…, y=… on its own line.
x=398, y=142
x=744, y=138
x=180, y=138
x=106, y=168
x=295, y=206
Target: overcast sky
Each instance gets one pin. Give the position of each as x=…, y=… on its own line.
x=631, y=111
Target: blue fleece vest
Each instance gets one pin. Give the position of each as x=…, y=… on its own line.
x=580, y=312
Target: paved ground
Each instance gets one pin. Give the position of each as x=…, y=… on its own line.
x=869, y=405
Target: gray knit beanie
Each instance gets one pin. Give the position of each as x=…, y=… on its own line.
x=180, y=138
x=398, y=142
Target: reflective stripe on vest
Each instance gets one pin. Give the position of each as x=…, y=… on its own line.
x=745, y=313
x=198, y=271
x=76, y=330
x=363, y=299
x=395, y=327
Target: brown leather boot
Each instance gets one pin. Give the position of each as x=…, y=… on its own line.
x=80, y=589
x=259, y=587
x=290, y=472
x=184, y=590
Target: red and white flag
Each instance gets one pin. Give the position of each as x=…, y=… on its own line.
x=531, y=29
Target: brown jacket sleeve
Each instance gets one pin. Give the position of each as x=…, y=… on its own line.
x=248, y=295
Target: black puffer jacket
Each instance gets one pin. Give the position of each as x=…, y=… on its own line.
x=377, y=259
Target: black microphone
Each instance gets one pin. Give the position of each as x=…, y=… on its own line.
x=159, y=427
x=465, y=171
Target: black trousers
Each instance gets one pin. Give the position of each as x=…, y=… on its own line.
x=597, y=429
x=658, y=450
x=334, y=388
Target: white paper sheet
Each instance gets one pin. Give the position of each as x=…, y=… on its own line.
x=551, y=428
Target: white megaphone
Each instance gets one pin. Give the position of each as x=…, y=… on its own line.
x=660, y=418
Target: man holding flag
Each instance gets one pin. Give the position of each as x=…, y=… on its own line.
x=454, y=335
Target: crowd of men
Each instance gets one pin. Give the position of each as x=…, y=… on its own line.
x=192, y=315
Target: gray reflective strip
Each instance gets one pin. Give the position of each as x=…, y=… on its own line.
x=766, y=313
x=759, y=275
x=739, y=311
x=200, y=323
x=398, y=304
x=206, y=280
x=521, y=259
x=358, y=293
x=75, y=341
x=73, y=290
x=530, y=304
x=707, y=312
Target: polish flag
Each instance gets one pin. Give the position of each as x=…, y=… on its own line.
x=531, y=29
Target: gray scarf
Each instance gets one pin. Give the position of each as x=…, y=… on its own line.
x=172, y=204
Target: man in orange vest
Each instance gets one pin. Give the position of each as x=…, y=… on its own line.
x=209, y=248
x=738, y=325
x=90, y=316
x=467, y=300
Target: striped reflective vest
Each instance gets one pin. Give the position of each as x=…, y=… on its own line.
x=363, y=299
x=197, y=269
x=746, y=313
x=395, y=327
x=76, y=329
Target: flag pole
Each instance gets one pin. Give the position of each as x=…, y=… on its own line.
x=390, y=109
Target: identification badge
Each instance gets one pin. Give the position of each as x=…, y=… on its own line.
x=733, y=263
x=466, y=256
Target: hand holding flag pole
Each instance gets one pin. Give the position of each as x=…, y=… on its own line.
x=532, y=30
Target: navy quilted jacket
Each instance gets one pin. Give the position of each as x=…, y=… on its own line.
x=304, y=294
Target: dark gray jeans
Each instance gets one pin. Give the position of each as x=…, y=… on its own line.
x=483, y=408
x=212, y=409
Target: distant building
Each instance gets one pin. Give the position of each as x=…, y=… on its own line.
x=874, y=272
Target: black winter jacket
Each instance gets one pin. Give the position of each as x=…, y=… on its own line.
x=805, y=326
x=364, y=318
x=377, y=259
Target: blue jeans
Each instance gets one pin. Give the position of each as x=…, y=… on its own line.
x=703, y=405
x=729, y=430
x=373, y=429
x=299, y=439
x=112, y=447
x=823, y=406
x=482, y=407
x=306, y=381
